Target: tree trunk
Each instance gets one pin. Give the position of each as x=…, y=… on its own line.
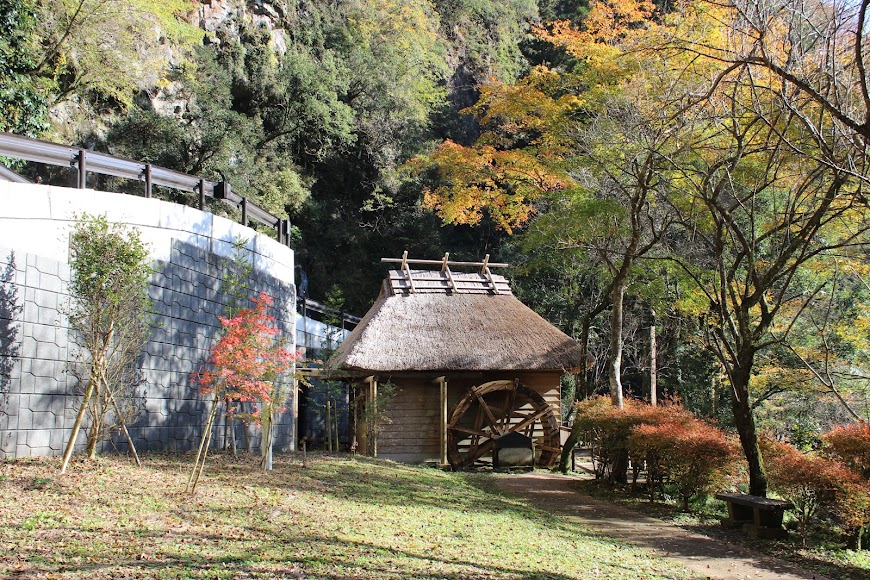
x=653, y=367
x=582, y=390
x=619, y=471
x=615, y=369
x=744, y=420
x=568, y=448
x=266, y=445
x=76, y=425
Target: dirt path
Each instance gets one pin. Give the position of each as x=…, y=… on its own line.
x=701, y=554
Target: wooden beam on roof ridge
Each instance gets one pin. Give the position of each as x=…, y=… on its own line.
x=446, y=269
x=404, y=260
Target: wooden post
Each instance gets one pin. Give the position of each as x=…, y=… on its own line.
x=335, y=423
x=653, y=371
x=293, y=432
x=202, y=194
x=354, y=394
x=371, y=420
x=442, y=447
x=328, y=425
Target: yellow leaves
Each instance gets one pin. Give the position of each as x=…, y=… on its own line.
x=608, y=22
x=610, y=27
x=526, y=113
x=504, y=184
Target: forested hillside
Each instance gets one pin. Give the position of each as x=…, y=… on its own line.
x=694, y=168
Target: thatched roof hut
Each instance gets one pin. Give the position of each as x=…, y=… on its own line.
x=430, y=328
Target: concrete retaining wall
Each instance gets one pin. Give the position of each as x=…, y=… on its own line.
x=190, y=248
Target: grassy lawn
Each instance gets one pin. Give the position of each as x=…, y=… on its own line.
x=340, y=518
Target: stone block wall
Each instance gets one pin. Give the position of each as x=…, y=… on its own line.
x=39, y=397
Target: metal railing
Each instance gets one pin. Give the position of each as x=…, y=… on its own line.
x=306, y=304
x=87, y=161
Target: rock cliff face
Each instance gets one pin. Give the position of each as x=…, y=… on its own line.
x=228, y=15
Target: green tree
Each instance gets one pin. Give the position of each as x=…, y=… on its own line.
x=768, y=191
x=110, y=315
x=24, y=98
x=110, y=49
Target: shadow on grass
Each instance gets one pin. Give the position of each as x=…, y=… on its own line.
x=607, y=514
x=288, y=555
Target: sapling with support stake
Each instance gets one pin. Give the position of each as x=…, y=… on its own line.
x=110, y=314
x=247, y=364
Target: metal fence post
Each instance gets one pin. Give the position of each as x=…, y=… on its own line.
x=148, y=180
x=83, y=169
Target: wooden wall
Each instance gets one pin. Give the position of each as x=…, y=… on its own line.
x=414, y=432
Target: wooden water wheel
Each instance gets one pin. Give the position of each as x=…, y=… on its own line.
x=494, y=409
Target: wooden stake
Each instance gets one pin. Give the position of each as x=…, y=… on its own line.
x=76, y=425
x=443, y=407
x=123, y=424
x=202, y=452
x=328, y=425
x=335, y=423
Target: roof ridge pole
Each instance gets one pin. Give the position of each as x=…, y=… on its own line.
x=446, y=269
x=407, y=271
x=486, y=272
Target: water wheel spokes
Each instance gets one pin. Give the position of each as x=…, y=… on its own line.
x=494, y=409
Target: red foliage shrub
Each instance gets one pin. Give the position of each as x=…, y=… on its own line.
x=247, y=359
x=851, y=445
x=815, y=484
x=668, y=439
x=607, y=428
x=689, y=453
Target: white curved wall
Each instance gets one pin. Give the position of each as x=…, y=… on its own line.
x=189, y=247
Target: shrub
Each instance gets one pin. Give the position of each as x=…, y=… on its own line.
x=689, y=453
x=814, y=484
x=851, y=445
x=606, y=429
x=853, y=511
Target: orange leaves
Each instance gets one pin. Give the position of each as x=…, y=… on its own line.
x=526, y=114
x=814, y=484
x=247, y=359
x=608, y=22
x=516, y=159
x=502, y=183
x=851, y=444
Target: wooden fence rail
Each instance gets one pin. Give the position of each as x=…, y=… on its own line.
x=87, y=161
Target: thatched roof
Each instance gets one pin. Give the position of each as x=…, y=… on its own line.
x=469, y=322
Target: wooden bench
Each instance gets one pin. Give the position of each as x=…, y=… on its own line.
x=760, y=517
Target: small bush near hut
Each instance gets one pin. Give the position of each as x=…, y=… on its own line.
x=850, y=444
x=675, y=447
x=607, y=429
